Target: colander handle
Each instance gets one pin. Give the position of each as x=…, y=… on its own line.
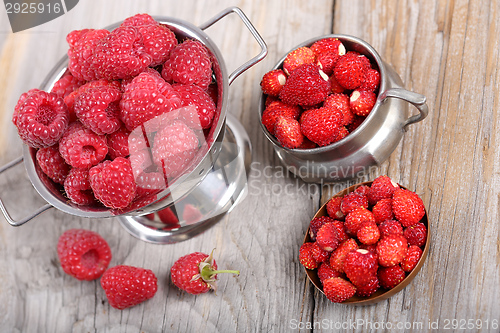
x=5, y=213
x=253, y=31
x=417, y=100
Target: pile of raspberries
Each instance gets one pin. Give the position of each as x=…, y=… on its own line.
x=126, y=118
x=320, y=95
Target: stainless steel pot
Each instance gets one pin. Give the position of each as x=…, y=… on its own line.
x=205, y=160
x=371, y=143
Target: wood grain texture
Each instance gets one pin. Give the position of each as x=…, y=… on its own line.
x=447, y=50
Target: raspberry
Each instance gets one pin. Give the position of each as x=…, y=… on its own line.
x=287, y=132
x=382, y=210
x=340, y=102
x=360, y=267
x=191, y=214
x=368, y=233
x=77, y=187
x=277, y=109
x=352, y=201
x=326, y=272
x=146, y=97
x=333, y=208
x=138, y=20
x=390, y=277
x=168, y=216
x=390, y=227
x=174, y=148
x=350, y=70
x=199, y=98
x=52, y=163
x=41, y=118
x=294, y=59
x=368, y=289
x=189, y=63
x=391, y=250
x=83, y=254
x=113, y=183
x=98, y=108
x=196, y=273
x=306, y=256
x=82, y=45
x=82, y=148
x=322, y=126
x=362, y=102
x=118, y=143
x=316, y=223
x=327, y=237
x=272, y=82
x=338, y=256
x=126, y=286
x=306, y=86
x=328, y=45
x=338, y=290
x=66, y=85
x=412, y=257
x=372, y=80
x=416, y=234
x=407, y=206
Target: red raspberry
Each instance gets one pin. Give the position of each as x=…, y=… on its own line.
x=168, y=216
x=338, y=290
x=326, y=272
x=126, y=286
x=390, y=277
x=319, y=254
x=189, y=63
x=272, y=82
x=118, y=143
x=200, y=99
x=340, y=102
x=382, y=188
x=416, y=234
x=322, y=126
x=360, y=267
x=41, y=118
x=52, y=163
x=306, y=86
x=368, y=289
x=362, y=102
x=353, y=201
x=391, y=250
x=326, y=45
x=146, y=97
x=73, y=96
x=333, y=208
x=390, y=227
x=382, y=210
x=287, y=132
x=368, y=233
x=83, y=254
x=327, y=237
x=350, y=70
x=294, y=59
x=306, y=256
x=412, y=257
x=82, y=45
x=82, y=148
x=407, y=206
x=277, y=109
x=196, y=273
x=66, y=85
x=338, y=256
x=356, y=218
x=77, y=187
x=372, y=80
x=113, y=183
x=98, y=108
x=316, y=223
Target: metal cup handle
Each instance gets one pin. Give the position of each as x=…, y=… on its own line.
x=5, y=213
x=417, y=100
x=250, y=27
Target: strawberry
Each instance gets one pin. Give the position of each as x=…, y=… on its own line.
x=352, y=201
x=382, y=187
x=338, y=256
x=363, y=190
x=307, y=144
x=277, y=109
x=368, y=289
x=382, y=210
x=356, y=218
x=416, y=234
x=360, y=267
x=306, y=86
x=321, y=125
x=327, y=237
x=325, y=45
x=372, y=80
x=391, y=250
x=196, y=273
x=333, y=208
x=340, y=102
x=390, y=227
x=272, y=82
x=319, y=254
x=325, y=272
x=306, y=256
x=287, y=132
x=326, y=61
x=362, y=102
x=407, y=206
x=302, y=55
x=389, y=277
x=316, y=223
x=368, y=233
x=336, y=88
x=338, y=290
x=126, y=286
x=350, y=70
x=341, y=232
x=356, y=122
x=412, y=257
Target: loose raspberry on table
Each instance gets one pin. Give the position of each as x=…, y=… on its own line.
x=77, y=187
x=83, y=254
x=52, y=163
x=113, y=183
x=82, y=148
x=41, y=118
x=200, y=99
x=127, y=286
x=307, y=85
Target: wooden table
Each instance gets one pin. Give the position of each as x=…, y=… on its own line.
x=447, y=50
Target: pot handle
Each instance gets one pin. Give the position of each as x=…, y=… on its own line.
x=250, y=27
x=417, y=100
x=4, y=209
